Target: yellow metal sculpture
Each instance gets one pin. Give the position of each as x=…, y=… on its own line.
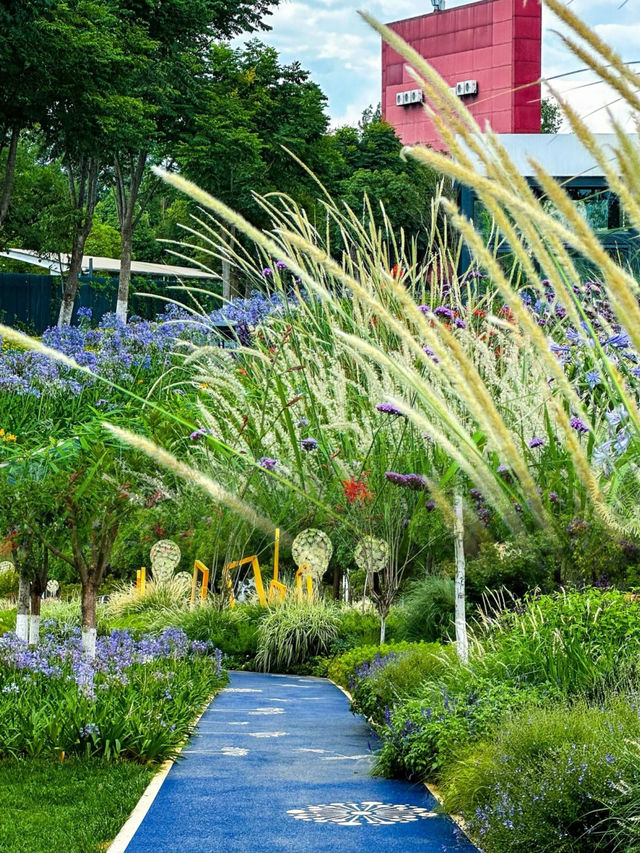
x=257, y=574
x=141, y=580
x=199, y=568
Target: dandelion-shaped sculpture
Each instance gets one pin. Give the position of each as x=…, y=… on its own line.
x=372, y=555
x=312, y=550
x=182, y=584
x=165, y=556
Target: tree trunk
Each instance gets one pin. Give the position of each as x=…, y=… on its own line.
x=34, y=619
x=460, y=616
x=22, y=618
x=127, y=188
x=336, y=582
x=383, y=629
x=229, y=275
x=124, y=280
x=71, y=285
x=89, y=598
x=9, y=173
x=85, y=198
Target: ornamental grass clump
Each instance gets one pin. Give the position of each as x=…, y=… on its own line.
x=135, y=700
x=293, y=633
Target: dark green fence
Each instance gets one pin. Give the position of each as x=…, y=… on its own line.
x=32, y=302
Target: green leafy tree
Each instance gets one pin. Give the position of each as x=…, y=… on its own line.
x=550, y=116
x=254, y=108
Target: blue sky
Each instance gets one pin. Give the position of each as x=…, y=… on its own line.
x=342, y=53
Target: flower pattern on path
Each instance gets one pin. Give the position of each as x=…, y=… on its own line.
x=359, y=814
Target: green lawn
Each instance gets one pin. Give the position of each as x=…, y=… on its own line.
x=74, y=807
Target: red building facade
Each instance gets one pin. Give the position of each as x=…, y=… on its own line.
x=490, y=50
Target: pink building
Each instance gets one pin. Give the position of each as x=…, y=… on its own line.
x=490, y=51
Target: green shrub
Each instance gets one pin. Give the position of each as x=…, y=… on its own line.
x=428, y=609
x=9, y=583
x=356, y=629
x=422, y=735
x=518, y=566
x=579, y=641
x=293, y=633
x=398, y=676
x=554, y=778
x=342, y=669
x=233, y=630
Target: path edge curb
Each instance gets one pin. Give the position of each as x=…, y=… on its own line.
x=132, y=823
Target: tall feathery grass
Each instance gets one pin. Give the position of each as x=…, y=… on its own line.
x=471, y=394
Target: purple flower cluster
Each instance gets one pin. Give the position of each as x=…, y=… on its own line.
x=60, y=657
x=121, y=351
x=415, y=482
x=389, y=409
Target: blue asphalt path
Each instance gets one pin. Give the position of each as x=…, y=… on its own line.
x=277, y=764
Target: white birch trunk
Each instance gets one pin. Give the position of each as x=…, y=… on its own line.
x=24, y=604
x=383, y=629
x=22, y=626
x=121, y=309
x=462, y=644
x=89, y=642
x=34, y=630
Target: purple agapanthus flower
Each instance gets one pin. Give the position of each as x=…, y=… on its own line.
x=593, y=378
x=267, y=272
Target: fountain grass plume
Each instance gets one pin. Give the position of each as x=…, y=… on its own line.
x=186, y=472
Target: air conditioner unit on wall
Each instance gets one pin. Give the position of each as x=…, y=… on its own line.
x=459, y=88
x=416, y=96
x=406, y=98
x=399, y=99
x=470, y=87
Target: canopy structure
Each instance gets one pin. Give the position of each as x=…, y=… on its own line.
x=59, y=264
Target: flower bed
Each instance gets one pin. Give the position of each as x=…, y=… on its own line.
x=136, y=700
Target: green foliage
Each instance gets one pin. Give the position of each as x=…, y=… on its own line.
x=579, y=641
x=342, y=669
x=356, y=629
x=142, y=715
x=8, y=583
x=553, y=778
x=424, y=734
x=233, y=630
x=517, y=566
x=294, y=632
x=428, y=609
x=398, y=676
x=76, y=806
x=551, y=117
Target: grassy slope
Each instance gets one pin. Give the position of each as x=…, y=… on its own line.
x=74, y=807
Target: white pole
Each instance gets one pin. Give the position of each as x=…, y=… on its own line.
x=462, y=644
